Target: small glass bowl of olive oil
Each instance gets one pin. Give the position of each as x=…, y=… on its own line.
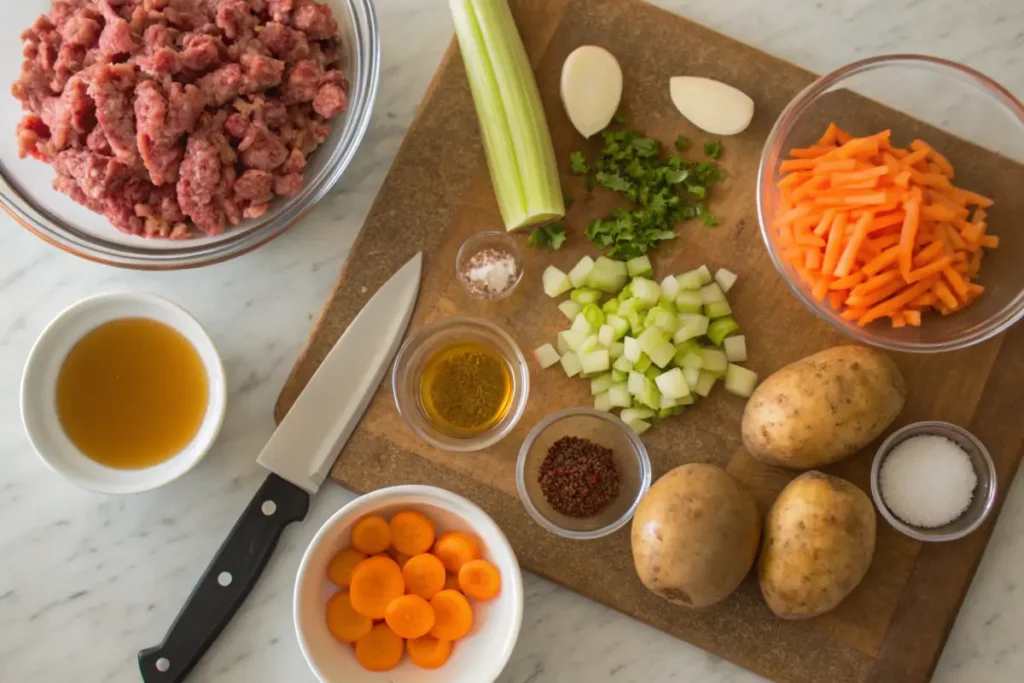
x=123, y=393
x=461, y=384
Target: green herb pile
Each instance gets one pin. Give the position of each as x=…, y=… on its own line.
x=663, y=191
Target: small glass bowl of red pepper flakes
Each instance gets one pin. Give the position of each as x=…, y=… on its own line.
x=582, y=472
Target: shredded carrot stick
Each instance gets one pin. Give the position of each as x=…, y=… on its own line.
x=826, y=223
x=911, y=224
x=851, y=280
x=895, y=303
x=834, y=246
x=945, y=296
x=928, y=254
x=989, y=241
x=956, y=281
x=913, y=318
x=846, y=261
x=883, y=260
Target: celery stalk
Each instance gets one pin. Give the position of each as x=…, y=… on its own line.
x=515, y=133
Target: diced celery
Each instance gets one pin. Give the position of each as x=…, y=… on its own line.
x=630, y=414
x=585, y=295
x=632, y=349
x=672, y=384
x=692, y=376
x=619, y=396
x=736, y=349
x=570, y=309
x=721, y=328
x=688, y=301
x=513, y=127
x=607, y=275
x=556, y=283
x=620, y=326
x=642, y=363
x=640, y=267
x=647, y=291
x=589, y=345
x=606, y=335
x=667, y=402
x=650, y=396
x=571, y=340
x=579, y=273
x=622, y=363
x=740, y=381
x=581, y=324
x=546, y=355
x=709, y=294
x=664, y=354
x=593, y=315
x=715, y=361
x=669, y=288
x=652, y=338
x=635, y=383
x=704, y=383
x=603, y=402
x=618, y=375
x=692, y=361
x=652, y=372
x=636, y=323
x=667, y=321
x=615, y=350
x=717, y=309
x=639, y=426
x=725, y=279
x=691, y=326
x=627, y=292
x=611, y=306
x=601, y=384
x=571, y=364
x=687, y=400
x=595, y=361
x=694, y=279
x=666, y=413
x=626, y=306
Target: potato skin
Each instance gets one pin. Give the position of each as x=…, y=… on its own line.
x=819, y=539
x=695, y=535
x=823, y=408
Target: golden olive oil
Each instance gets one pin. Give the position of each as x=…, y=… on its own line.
x=132, y=393
x=466, y=388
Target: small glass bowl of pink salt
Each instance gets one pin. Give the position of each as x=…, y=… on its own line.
x=934, y=481
x=489, y=265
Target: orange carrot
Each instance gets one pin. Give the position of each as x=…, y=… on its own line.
x=424, y=575
x=451, y=583
x=834, y=245
x=913, y=318
x=428, y=652
x=895, y=303
x=371, y=535
x=341, y=566
x=480, y=579
x=412, y=532
x=956, y=281
x=928, y=254
x=911, y=224
x=344, y=623
x=380, y=649
x=946, y=296
x=848, y=258
x=410, y=616
x=885, y=259
x=989, y=241
x=376, y=581
x=848, y=282
x=927, y=271
x=875, y=282
x=455, y=549
x=453, y=617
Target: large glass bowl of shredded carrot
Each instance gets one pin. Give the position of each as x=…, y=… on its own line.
x=890, y=197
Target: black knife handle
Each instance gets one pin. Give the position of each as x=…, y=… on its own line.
x=226, y=582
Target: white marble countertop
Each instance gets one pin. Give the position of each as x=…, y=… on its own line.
x=87, y=580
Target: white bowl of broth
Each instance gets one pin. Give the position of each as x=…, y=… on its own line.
x=123, y=393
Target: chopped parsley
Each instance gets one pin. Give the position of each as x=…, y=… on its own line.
x=682, y=142
x=551, y=236
x=662, y=191
x=619, y=118
x=713, y=149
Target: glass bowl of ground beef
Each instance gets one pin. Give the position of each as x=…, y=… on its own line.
x=164, y=134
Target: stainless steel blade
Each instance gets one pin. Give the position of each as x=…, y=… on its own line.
x=309, y=438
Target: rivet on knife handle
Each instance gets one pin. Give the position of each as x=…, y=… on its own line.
x=227, y=581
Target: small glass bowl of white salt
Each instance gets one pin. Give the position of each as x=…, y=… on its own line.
x=489, y=265
x=933, y=481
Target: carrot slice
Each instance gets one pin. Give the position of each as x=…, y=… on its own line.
x=455, y=549
x=341, y=566
x=451, y=583
x=376, y=581
x=344, y=623
x=428, y=652
x=424, y=575
x=453, y=617
x=480, y=579
x=371, y=535
x=380, y=649
x=412, y=532
x=410, y=616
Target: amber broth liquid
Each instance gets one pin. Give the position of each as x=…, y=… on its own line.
x=132, y=393
x=487, y=395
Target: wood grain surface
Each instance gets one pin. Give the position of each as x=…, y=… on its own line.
x=438, y=193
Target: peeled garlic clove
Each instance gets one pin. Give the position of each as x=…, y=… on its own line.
x=591, y=88
x=712, y=106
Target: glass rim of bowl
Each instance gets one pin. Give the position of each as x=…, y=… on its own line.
x=38, y=220
x=639, y=451
x=773, y=149
x=520, y=393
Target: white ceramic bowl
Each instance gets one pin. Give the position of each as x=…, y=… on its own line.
x=477, y=658
x=39, y=383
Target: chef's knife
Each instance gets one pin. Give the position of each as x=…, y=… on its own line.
x=299, y=455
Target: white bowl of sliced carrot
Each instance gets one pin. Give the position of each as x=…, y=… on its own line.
x=409, y=584
x=889, y=196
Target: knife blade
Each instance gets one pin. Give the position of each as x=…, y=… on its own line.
x=299, y=455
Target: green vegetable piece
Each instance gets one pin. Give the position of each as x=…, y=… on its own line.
x=593, y=315
x=682, y=142
x=640, y=267
x=713, y=149
x=578, y=164
x=717, y=309
x=721, y=328
x=611, y=306
x=585, y=295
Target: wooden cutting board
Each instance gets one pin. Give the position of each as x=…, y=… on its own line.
x=892, y=628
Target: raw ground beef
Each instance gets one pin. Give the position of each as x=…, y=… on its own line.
x=164, y=115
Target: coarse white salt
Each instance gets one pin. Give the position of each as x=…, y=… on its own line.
x=927, y=481
x=491, y=272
